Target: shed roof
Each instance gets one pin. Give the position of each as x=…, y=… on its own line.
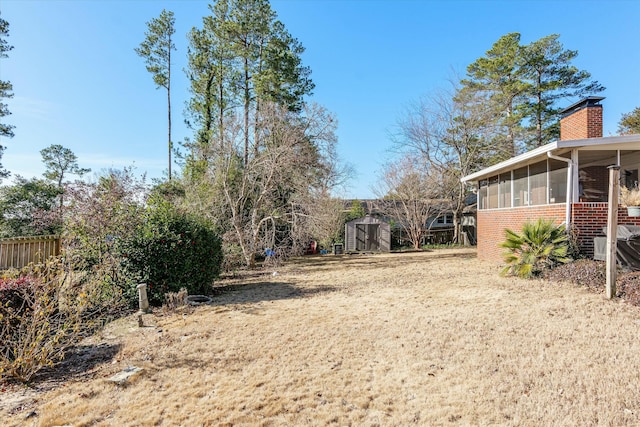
x=368, y=219
x=625, y=142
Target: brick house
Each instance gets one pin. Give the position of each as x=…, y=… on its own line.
x=566, y=181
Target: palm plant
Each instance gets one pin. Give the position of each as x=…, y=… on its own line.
x=540, y=245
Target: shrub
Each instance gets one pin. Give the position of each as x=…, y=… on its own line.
x=172, y=250
x=40, y=317
x=541, y=245
x=628, y=287
x=582, y=272
x=96, y=216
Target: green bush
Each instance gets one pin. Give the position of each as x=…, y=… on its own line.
x=541, y=245
x=172, y=250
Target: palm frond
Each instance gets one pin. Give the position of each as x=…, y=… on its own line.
x=539, y=245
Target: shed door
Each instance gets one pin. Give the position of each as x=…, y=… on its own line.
x=367, y=237
x=361, y=237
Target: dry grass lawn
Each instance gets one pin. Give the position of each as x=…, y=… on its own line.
x=433, y=338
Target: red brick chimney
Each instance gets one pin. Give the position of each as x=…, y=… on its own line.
x=582, y=119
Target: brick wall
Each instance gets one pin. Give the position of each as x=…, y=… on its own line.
x=492, y=223
x=588, y=220
x=584, y=123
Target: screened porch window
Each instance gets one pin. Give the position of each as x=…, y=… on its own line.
x=482, y=194
x=538, y=183
x=521, y=187
x=493, y=192
x=557, y=181
x=504, y=188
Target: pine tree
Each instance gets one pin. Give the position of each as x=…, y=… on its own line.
x=523, y=86
x=242, y=57
x=6, y=88
x=551, y=77
x=156, y=51
x=499, y=76
x=630, y=123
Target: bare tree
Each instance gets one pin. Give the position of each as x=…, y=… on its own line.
x=409, y=195
x=266, y=197
x=450, y=134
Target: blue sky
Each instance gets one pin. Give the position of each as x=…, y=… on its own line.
x=78, y=82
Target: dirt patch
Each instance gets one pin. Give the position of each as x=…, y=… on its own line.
x=434, y=338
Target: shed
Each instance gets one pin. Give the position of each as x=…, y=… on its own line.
x=367, y=234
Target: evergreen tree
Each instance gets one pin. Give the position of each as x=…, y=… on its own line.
x=59, y=161
x=550, y=78
x=523, y=86
x=499, y=77
x=156, y=51
x=630, y=123
x=240, y=59
x=27, y=208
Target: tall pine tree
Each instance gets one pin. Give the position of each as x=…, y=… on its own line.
x=526, y=86
x=6, y=88
x=242, y=57
x=498, y=76
x=156, y=49
x=551, y=78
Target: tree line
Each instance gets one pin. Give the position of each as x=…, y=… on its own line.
x=261, y=164
x=508, y=102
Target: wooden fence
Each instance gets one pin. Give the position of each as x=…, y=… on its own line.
x=17, y=252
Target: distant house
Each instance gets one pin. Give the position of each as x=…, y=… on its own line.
x=565, y=181
x=439, y=228
x=367, y=234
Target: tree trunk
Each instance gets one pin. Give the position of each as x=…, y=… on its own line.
x=247, y=102
x=169, y=103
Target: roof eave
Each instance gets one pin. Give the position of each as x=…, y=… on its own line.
x=542, y=151
x=510, y=163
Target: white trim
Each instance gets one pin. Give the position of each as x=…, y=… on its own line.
x=609, y=142
x=567, y=197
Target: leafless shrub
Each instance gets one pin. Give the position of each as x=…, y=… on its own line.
x=174, y=301
x=41, y=315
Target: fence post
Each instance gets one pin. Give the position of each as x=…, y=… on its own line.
x=143, y=302
x=612, y=230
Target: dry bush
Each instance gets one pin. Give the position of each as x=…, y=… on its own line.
x=629, y=196
x=582, y=272
x=40, y=317
x=174, y=301
x=628, y=287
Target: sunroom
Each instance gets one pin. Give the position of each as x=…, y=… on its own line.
x=548, y=174
x=537, y=184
